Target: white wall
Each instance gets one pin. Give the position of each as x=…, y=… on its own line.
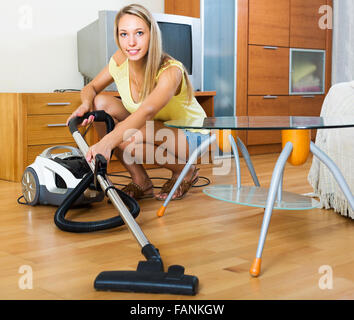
x=38, y=50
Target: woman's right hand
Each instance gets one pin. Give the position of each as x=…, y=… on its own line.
x=79, y=112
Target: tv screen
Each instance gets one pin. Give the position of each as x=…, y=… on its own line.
x=183, y=32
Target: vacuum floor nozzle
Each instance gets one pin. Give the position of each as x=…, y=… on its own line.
x=174, y=281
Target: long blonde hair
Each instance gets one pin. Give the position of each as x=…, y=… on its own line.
x=155, y=56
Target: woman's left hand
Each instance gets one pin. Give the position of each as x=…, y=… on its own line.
x=102, y=147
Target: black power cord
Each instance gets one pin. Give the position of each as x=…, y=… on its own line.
x=113, y=174
x=19, y=202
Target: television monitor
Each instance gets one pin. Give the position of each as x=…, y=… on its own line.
x=181, y=38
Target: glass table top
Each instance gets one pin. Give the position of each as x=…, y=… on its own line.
x=263, y=123
x=257, y=197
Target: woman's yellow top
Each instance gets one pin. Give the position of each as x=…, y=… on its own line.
x=176, y=109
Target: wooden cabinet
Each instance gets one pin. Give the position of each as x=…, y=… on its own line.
x=305, y=31
x=32, y=122
x=268, y=70
x=269, y=22
x=267, y=31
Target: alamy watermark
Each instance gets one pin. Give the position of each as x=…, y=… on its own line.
x=326, y=20
x=326, y=280
x=159, y=147
x=26, y=280
x=25, y=17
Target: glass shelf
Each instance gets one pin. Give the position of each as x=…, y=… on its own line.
x=257, y=197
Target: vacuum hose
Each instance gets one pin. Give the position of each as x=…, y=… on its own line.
x=77, y=226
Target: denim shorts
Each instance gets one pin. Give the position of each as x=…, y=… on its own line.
x=194, y=139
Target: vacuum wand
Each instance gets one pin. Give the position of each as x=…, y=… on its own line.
x=107, y=187
x=149, y=276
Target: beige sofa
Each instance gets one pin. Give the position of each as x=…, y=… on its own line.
x=338, y=144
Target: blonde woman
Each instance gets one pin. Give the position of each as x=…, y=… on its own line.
x=153, y=87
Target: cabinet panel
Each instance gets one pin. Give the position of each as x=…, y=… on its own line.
x=189, y=8
x=266, y=106
x=305, y=31
x=268, y=71
x=260, y=137
x=269, y=22
x=46, y=129
x=305, y=105
x=52, y=103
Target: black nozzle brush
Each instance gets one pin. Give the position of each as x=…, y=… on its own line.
x=149, y=278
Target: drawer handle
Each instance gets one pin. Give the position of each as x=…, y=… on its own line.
x=58, y=104
x=270, y=97
x=270, y=48
x=56, y=125
x=308, y=96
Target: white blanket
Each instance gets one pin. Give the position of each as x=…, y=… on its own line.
x=338, y=144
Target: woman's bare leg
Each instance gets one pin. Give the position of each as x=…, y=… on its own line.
x=170, y=153
x=176, y=146
x=114, y=107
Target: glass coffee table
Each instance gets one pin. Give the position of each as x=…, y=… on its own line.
x=296, y=146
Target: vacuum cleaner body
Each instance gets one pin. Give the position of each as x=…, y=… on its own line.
x=51, y=177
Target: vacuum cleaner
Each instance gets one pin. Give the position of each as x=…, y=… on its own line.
x=149, y=276
x=52, y=176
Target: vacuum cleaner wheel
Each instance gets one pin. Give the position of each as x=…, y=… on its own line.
x=30, y=186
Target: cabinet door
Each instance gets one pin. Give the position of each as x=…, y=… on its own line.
x=266, y=106
x=48, y=129
x=268, y=70
x=52, y=103
x=189, y=8
x=306, y=106
x=305, y=31
x=269, y=22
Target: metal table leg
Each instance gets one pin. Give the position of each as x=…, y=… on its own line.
x=275, y=187
x=273, y=190
x=194, y=156
x=249, y=163
x=237, y=161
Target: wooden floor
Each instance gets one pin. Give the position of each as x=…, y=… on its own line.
x=214, y=240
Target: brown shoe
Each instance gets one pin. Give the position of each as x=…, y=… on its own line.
x=137, y=191
x=183, y=187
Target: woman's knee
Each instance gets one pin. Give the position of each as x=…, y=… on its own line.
x=100, y=102
x=111, y=105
